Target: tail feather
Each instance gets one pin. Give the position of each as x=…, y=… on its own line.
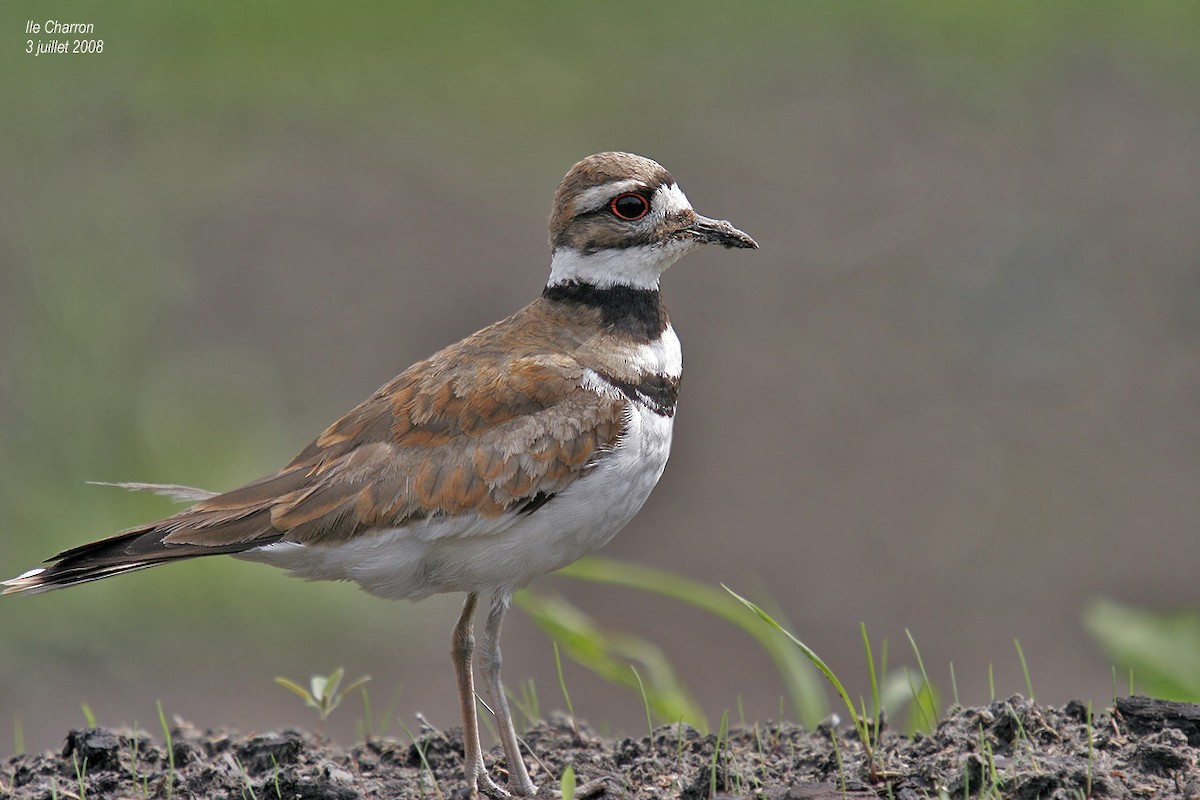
x=140, y=548
x=45, y=579
x=116, y=556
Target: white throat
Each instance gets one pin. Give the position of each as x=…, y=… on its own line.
x=638, y=267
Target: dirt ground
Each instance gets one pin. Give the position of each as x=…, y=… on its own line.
x=1142, y=748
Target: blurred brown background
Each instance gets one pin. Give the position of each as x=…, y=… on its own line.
x=956, y=391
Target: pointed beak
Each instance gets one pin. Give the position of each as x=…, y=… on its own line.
x=717, y=231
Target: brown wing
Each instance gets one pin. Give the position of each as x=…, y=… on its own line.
x=440, y=441
x=468, y=431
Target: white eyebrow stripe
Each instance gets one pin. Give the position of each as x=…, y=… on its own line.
x=597, y=196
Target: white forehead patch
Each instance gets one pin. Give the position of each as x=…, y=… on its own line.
x=671, y=199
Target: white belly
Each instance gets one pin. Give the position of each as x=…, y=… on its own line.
x=475, y=554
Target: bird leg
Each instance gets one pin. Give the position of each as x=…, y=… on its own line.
x=463, y=650
x=518, y=777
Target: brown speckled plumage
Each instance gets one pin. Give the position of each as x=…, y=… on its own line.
x=502, y=457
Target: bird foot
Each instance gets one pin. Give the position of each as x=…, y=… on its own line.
x=486, y=787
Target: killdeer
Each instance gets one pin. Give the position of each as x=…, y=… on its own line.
x=507, y=455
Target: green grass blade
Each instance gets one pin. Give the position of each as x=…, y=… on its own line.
x=821, y=666
x=166, y=729
x=802, y=686
x=645, y=703
x=562, y=684
x=1024, y=670
x=566, y=784
x=876, y=708
x=609, y=655
x=928, y=687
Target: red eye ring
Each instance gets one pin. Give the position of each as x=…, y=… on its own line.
x=629, y=206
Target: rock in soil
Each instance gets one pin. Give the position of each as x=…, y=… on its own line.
x=1142, y=748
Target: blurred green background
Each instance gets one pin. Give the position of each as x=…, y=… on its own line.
x=956, y=390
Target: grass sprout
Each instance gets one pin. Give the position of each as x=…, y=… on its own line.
x=1024, y=670
x=324, y=693
x=566, y=784
x=527, y=702
x=837, y=756
x=876, y=707
x=425, y=768
x=928, y=685
x=245, y=779
x=134, y=749
x=80, y=775
x=860, y=724
x=367, y=725
x=645, y=702
x=722, y=738
x=562, y=684
x=166, y=729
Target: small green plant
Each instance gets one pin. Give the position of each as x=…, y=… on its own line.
x=166, y=729
x=927, y=686
x=566, y=784
x=876, y=708
x=722, y=737
x=135, y=776
x=860, y=723
x=419, y=746
x=1024, y=670
x=526, y=703
x=924, y=705
x=80, y=775
x=367, y=727
x=994, y=782
x=324, y=693
x=1023, y=737
x=88, y=716
x=645, y=702
x=837, y=756
x=245, y=779
x=562, y=684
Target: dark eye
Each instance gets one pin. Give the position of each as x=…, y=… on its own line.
x=630, y=206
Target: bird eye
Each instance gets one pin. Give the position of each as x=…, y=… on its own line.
x=629, y=206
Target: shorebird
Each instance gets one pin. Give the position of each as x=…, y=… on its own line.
x=505, y=456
